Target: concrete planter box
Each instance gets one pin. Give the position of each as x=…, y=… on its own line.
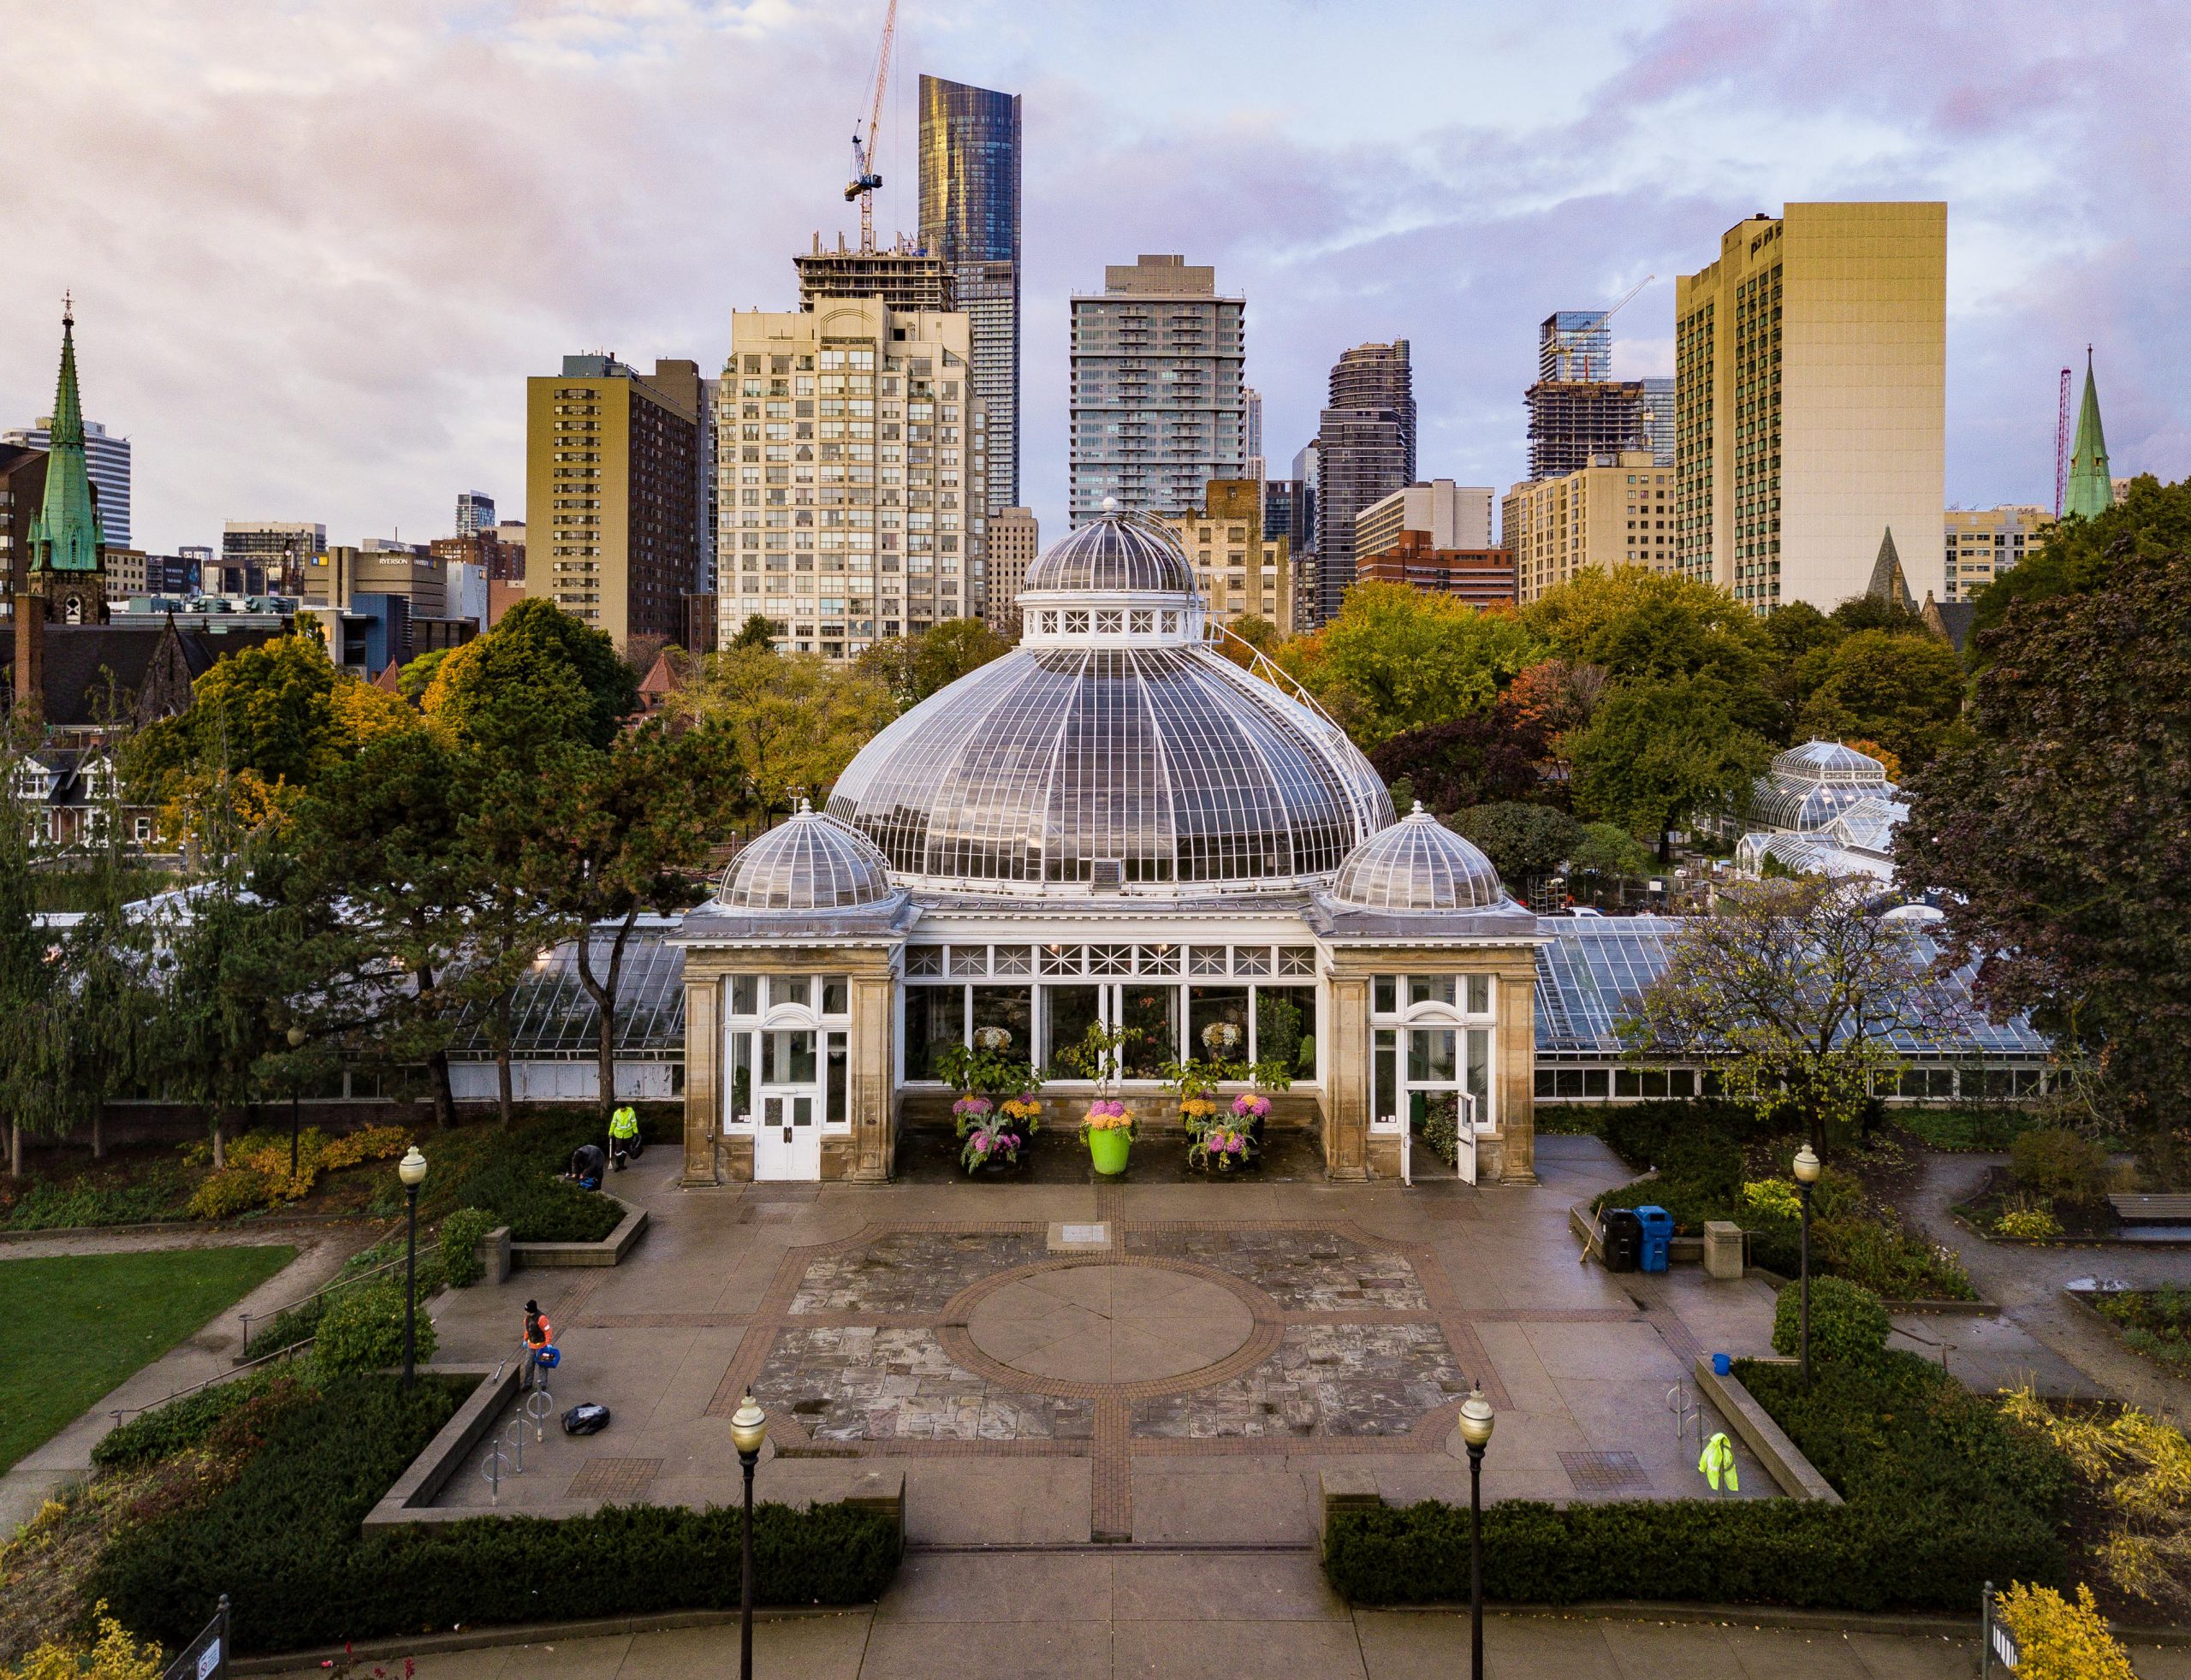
x=412, y=1497
x=1768, y=1442
x=608, y=1251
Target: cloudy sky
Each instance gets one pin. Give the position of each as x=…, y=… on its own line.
x=317, y=245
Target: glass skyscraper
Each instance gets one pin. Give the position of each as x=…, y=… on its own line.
x=970, y=217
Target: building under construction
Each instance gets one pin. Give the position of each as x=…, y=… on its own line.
x=906, y=278
x=1570, y=420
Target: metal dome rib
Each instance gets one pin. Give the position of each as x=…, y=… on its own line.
x=811, y=862
x=1114, y=553
x=1418, y=864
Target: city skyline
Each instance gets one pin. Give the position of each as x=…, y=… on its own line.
x=1340, y=220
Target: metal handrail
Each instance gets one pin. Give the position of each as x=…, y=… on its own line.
x=331, y=1287
x=235, y=1371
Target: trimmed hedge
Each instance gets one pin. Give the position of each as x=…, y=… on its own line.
x=520, y=1183
x=1943, y=1495
x=284, y=1541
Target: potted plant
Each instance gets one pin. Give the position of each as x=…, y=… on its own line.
x=1224, y=1147
x=992, y=1145
x=989, y=1082
x=1109, y=1131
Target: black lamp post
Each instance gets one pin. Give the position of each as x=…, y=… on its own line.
x=1807, y=1167
x=748, y=1428
x=1476, y=1422
x=411, y=1169
x=296, y=1091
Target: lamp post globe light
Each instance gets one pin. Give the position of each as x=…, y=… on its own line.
x=749, y=1428
x=297, y=1037
x=1808, y=1168
x=1476, y=1420
x=411, y=1169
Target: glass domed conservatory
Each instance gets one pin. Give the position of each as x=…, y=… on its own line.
x=1115, y=824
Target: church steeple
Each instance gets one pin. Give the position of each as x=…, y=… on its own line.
x=65, y=535
x=2090, y=493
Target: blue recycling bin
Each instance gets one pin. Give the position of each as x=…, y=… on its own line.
x=1658, y=1236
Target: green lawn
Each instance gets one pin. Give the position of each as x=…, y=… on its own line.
x=72, y=1327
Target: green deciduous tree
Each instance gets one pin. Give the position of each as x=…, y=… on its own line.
x=1521, y=840
x=912, y=667
x=756, y=633
x=538, y=674
x=1656, y=751
x=1794, y=992
x=1398, y=658
x=2081, y=555
x=1901, y=690
x=2060, y=825
x=792, y=721
x=1642, y=625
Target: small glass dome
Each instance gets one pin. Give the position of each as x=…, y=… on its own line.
x=1417, y=864
x=1812, y=784
x=1115, y=553
x=811, y=862
x=1828, y=761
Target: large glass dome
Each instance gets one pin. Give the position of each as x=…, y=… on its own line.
x=1113, y=750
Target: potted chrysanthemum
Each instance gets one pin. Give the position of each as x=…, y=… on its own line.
x=1109, y=1131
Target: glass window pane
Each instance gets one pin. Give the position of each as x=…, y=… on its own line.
x=1251, y=959
x=1681, y=1082
x=1542, y=1082
x=1655, y=1082
x=1010, y=1011
x=1479, y=1073
x=787, y=1058
x=832, y=1095
x=1013, y=959
x=1217, y=1023
x=1568, y=1082
x=970, y=960
x=836, y=995
x=1593, y=1082
x=1061, y=958
x=741, y=1077
x=1388, y=1081
x=745, y=995
x=785, y=988
x=1149, y=1014
x=924, y=959
x=1431, y=988
x=1297, y=959
x=1068, y=1011
x=1626, y=1082
x=1286, y=1028
x=1205, y=960
x=1386, y=1001
x=1110, y=958
x=1431, y=1057
x=1157, y=958
x=935, y=1017
x=1479, y=995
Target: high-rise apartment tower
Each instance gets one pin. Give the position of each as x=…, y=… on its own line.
x=611, y=456
x=475, y=513
x=1365, y=450
x=970, y=220
x=1810, y=403
x=1156, y=403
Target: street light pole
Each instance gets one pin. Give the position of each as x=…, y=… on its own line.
x=1476, y=1422
x=748, y=1428
x=411, y=1169
x=1808, y=1168
x=296, y=1092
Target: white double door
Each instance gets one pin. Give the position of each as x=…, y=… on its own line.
x=787, y=1116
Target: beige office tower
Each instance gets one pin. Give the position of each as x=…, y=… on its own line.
x=1241, y=572
x=1015, y=538
x=1810, y=403
x=1618, y=511
x=850, y=457
x=1982, y=542
x=612, y=459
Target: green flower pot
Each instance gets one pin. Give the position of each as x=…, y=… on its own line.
x=1108, y=1149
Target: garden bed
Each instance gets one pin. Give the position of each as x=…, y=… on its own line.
x=262, y=1492
x=2155, y=1322
x=1941, y=1495
x=2076, y=1219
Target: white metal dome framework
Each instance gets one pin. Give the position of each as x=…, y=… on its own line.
x=1418, y=864
x=810, y=862
x=1113, y=750
x=1812, y=784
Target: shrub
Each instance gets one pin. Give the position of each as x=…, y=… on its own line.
x=47, y=1204
x=1711, y=1160
x=115, y=1656
x=539, y=1208
x=181, y=1424
x=2053, y=1160
x=1887, y=1260
x=2029, y=1225
x=1690, y=1205
x=233, y=1191
x=460, y=1234
x=2056, y=1640
x=363, y=1331
x=1772, y=1198
x=1638, y=1132
x=283, y=1539
x=1847, y=1323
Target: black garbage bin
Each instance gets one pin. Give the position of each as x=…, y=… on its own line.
x=1621, y=1233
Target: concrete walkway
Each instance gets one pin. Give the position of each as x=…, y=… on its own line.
x=2026, y=1284
x=1187, y=1615
x=67, y=1457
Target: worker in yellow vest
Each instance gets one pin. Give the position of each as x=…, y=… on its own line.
x=624, y=1142
x=1719, y=1459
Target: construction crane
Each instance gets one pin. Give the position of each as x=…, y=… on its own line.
x=1560, y=339
x=865, y=179
x=2062, y=445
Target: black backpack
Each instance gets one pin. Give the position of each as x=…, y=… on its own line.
x=585, y=1419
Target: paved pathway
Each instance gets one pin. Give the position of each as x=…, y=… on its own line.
x=1186, y=1616
x=321, y=1250
x=2026, y=1283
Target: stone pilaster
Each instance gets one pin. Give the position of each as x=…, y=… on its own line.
x=1347, y=1111
x=1518, y=1054
x=873, y=1058
x=703, y=1072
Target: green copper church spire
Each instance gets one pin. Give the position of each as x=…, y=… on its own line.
x=2090, y=493
x=65, y=535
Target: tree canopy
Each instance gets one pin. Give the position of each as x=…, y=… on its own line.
x=1640, y=625
x=1656, y=750
x=1397, y=659
x=2058, y=824
x=912, y=667
x=1521, y=840
x=1898, y=689
x=2081, y=555
x=1484, y=758
x=537, y=674
x=792, y=719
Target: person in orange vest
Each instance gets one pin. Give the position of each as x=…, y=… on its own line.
x=539, y=1338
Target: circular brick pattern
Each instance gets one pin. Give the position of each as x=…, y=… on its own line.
x=1100, y=1323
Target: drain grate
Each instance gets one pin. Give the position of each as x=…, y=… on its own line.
x=607, y=1478
x=1605, y=1472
